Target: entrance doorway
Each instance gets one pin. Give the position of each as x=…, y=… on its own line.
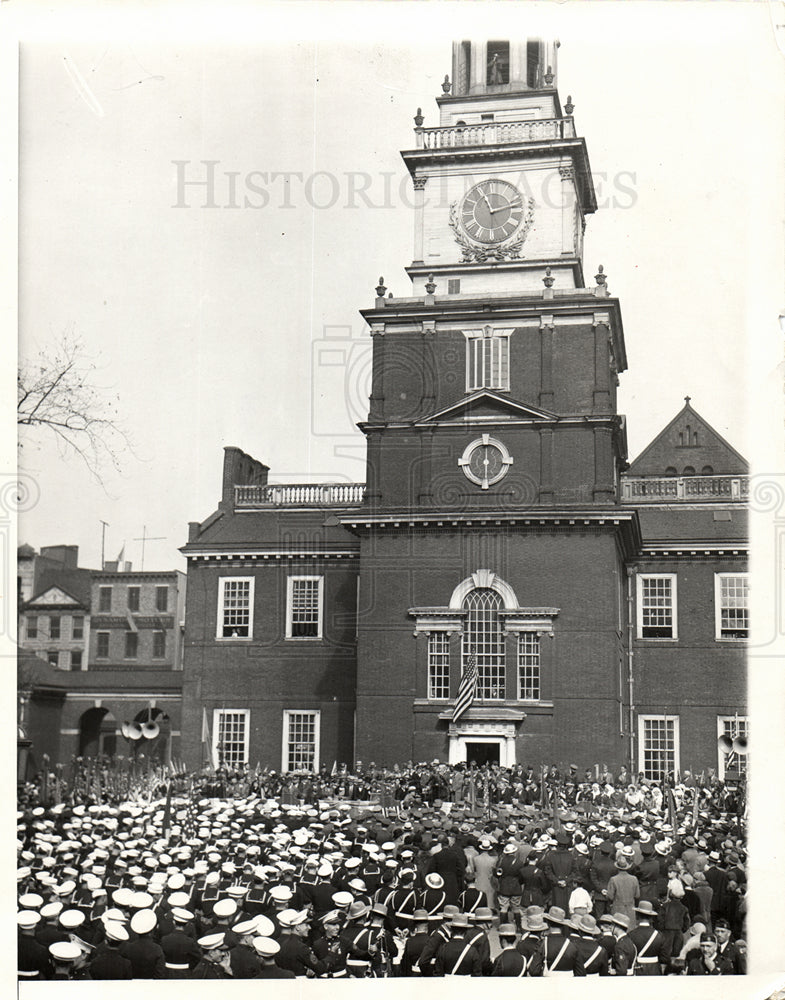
x=481, y=753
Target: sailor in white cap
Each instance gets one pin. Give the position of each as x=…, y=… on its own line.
x=107, y=962
x=181, y=952
x=243, y=959
x=33, y=957
x=64, y=956
x=145, y=955
x=267, y=949
x=214, y=963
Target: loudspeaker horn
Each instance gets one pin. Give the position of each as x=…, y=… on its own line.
x=150, y=730
x=725, y=743
x=134, y=731
x=740, y=745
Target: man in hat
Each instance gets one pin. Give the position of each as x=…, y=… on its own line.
x=601, y=872
x=146, y=957
x=436, y=939
x=591, y=959
x=107, y=962
x=557, y=950
x=648, y=872
x=243, y=959
x=450, y=863
x=358, y=941
x=508, y=884
x=33, y=957
x=328, y=946
x=532, y=927
x=558, y=870
x=384, y=949
x=727, y=949
x=472, y=898
x=624, y=952
x=457, y=956
x=415, y=942
x=708, y=962
x=674, y=918
x=181, y=952
x=509, y=961
x=214, y=963
x=651, y=946
x=623, y=890
x=402, y=902
x=295, y=953
x=267, y=949
x=481, y=922
x=64, y=955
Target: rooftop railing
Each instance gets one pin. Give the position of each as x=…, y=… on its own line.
x=493, y=133
x=299, y=495
x=640, y=489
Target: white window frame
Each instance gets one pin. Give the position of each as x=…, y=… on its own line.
x=642, y=720
x=674, y=606
x=718, y=578
x=732, y=720
x=518, y=665
x=217, y=713
x=290, y=581
x=222, y=581
x=476, y=377
x=432, y=666
x=287, y=714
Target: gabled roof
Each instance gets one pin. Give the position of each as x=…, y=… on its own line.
x=55, y=596
x=674, y=448
x=484, y=402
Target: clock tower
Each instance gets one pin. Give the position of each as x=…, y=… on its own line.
x=492, y=520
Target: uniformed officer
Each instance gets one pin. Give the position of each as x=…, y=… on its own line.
x=181, y=952
x=480, y=926
x=457, y=956
x=510, y=962
x=243, y=959
x=557, y=949
x=214, y=963
x=591, y=958
x=267, y=949
x=146, y=957
x=415, y=942
x=107, y=962
x=295, y=954
x=329, y=948
x=651, y=946
x=624, y=950
x=33, y=958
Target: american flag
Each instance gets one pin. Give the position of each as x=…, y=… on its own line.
x=467, y=689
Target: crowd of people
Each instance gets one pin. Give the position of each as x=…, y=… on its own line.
x=423, y=870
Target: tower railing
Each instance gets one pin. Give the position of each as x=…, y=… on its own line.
x=642, y=489
x=299, y=495
x=495, y=133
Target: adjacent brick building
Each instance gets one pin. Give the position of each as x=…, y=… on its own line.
x=604, y=604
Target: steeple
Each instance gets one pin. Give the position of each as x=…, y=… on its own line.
x=503, y=67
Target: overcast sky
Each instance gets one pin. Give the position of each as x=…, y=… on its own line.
x=210, y=324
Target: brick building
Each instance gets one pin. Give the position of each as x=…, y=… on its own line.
x=99, y=648
x=500, y=523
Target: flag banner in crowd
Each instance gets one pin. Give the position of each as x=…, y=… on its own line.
x=467, y=689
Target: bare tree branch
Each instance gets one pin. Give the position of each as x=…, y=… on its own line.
x=57, y=392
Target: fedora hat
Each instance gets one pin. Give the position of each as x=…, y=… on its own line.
x=535, y=922
x=646, y=908
x=621, y=920
x=586, y=924
x=556, y=915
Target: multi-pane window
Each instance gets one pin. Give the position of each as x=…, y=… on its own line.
x=54, y=627
x=300, y=741
x=658, y=745
x=528, y=666
x=162, y=598
x=104, y=598
x=76, y=659
x=737, y=729
x=230, y=737
x=133, y=598
x=483, y=636
x=32, y=627
x=77, y=628
x=159, y=645
x=304, y=607
x=131, y=645
x=53, y=657
x=487, y=360
x=731, y=602
x=438, y=665
x=657, y=606
x=235, y=607
x=102, y=645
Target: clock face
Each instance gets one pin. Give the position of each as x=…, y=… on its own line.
x=492, y=211
x=485, y=461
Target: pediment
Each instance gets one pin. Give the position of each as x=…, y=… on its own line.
x=484, y=405
x=53, y=596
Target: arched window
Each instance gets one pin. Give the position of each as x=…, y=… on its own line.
x=707, y=470
x=671, y=471
x=483, y=637
x=688, y=471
